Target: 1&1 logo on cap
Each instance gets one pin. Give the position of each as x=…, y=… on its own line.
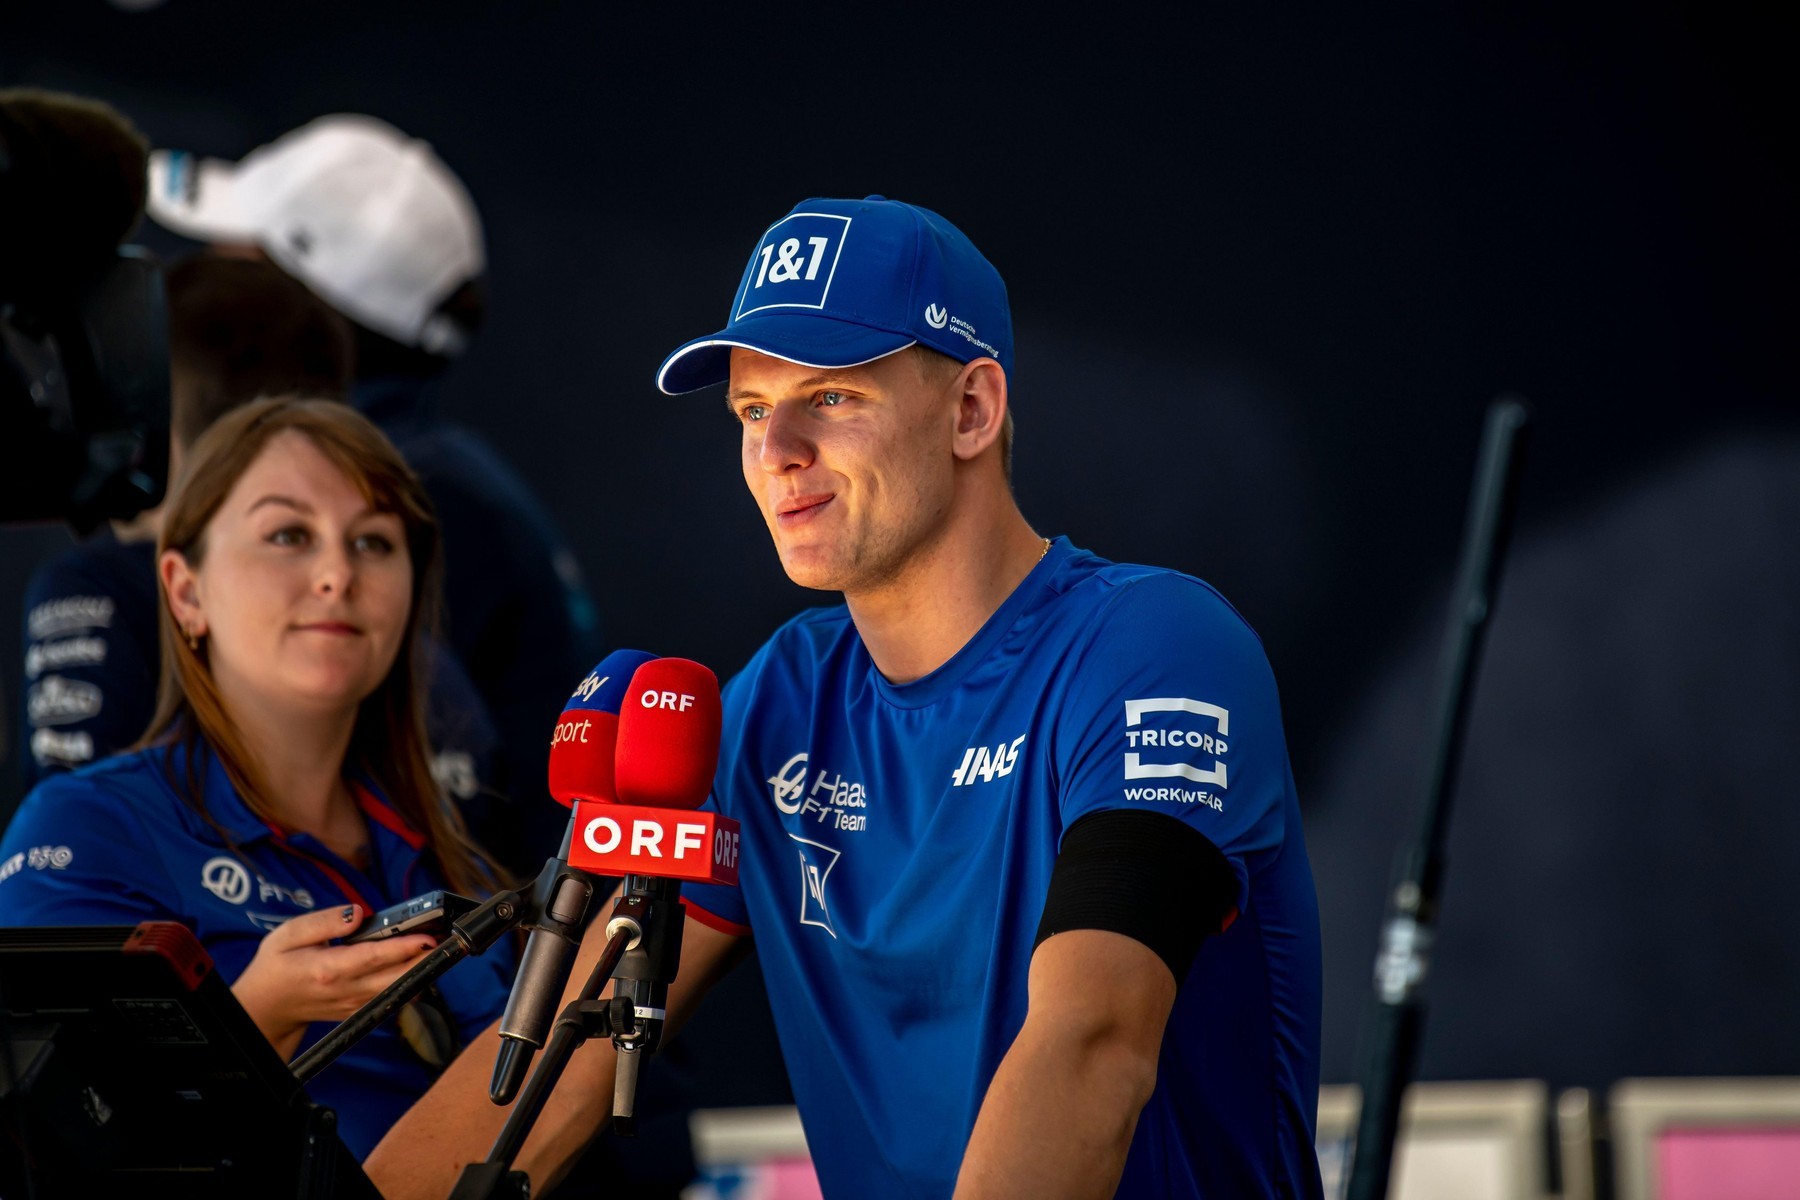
x=794, y=265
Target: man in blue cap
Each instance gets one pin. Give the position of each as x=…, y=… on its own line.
x=1022, y=855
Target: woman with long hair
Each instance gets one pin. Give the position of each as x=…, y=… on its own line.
x=283, y=792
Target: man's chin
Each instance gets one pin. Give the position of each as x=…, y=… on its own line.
x=809, y=569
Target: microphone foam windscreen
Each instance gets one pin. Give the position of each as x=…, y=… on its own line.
x=668, y=735
x=582, y=748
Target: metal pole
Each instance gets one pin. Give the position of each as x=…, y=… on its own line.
x=1397, y=1013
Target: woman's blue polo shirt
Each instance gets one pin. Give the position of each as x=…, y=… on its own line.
x=115, y=844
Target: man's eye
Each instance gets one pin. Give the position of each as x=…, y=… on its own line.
x=752, y=412
x=830, y=399
x=289, y=535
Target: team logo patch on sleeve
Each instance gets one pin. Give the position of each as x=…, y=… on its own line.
x=1173, y=737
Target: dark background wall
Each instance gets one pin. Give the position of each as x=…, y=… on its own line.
x=1267, y=268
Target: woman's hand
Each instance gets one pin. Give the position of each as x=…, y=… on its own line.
x=296, y=979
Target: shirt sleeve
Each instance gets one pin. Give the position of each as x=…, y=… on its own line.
x=89, y=685
x=72, y=856
x=717, y=905
x=1172, y=709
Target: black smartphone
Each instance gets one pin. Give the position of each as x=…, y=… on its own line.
x=429, y=913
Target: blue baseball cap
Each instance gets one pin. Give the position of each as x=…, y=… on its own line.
x=839, y=283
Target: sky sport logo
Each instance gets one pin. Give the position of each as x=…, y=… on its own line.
x=587, y=687
x=936, y=316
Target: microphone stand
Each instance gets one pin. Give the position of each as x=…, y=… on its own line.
x=559, y=912
x=472, y=933
x=560, y=893
x=1397, y=1014
x=638, y=930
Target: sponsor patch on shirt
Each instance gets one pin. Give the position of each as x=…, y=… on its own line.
x=67, y=652
x=54, y=700
x=66, y=614
x=60, y=748
x=816, y=862
x=226, y=878
x=38, y=858
x=1176, y=738
x=981, y=764
x=829, y=798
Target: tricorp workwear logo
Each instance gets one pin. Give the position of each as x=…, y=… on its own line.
x=1174, y=745
x=794, y=265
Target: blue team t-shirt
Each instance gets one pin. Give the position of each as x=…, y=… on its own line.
x=898, y=847
x=115, y=844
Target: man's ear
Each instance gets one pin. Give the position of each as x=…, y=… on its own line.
x=981, y=407
x=182, y=587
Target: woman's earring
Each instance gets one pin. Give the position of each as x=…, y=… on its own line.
x=193, y=641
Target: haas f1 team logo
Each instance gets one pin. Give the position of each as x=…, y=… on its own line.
x=831, y=799
x=226, y=878
x=789, y=784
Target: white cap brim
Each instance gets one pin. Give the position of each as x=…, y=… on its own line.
x=195, y=197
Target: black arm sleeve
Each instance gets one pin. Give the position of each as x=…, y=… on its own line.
x=1148, y=876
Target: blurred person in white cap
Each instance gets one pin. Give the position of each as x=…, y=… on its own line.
x=374, y=222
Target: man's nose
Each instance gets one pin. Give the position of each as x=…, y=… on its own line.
x=785, y=445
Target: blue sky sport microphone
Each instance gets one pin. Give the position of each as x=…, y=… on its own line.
x=581, y=767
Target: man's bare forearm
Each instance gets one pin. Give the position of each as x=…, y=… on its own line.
x=455, y=1123
x=1060, y=1112
x=1057, y=1122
